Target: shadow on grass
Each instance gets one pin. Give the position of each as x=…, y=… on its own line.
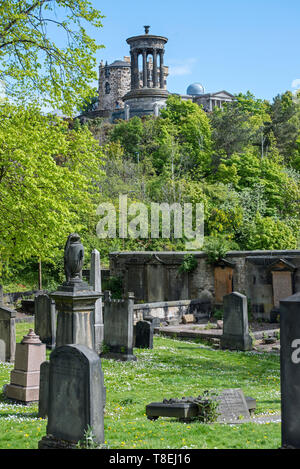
x=13, y=415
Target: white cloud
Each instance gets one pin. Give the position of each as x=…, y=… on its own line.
x=296, y=83
x=178, y=68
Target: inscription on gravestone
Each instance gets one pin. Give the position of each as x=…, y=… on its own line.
x=232, y=405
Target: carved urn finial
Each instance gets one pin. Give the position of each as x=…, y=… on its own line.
x=147, y=29
x=73, y=258
x=31, y=338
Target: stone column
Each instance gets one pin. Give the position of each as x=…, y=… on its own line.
x=162, y=75
x=144, y=68
x=135, y=70
x=127, y=112
x=155, y=69
x=132, y=55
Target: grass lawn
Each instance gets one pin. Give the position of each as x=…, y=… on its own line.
x=173, y=369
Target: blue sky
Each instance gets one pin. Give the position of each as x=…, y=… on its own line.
x=236, y=45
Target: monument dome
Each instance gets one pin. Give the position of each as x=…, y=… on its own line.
x=196, y=89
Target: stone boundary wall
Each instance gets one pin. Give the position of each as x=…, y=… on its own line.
x=168, y=310
x=154, y=276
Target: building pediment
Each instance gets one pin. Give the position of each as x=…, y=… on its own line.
x=222, y=95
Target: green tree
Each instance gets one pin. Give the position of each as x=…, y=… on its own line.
x=285, y=116
x=242, y=122
x=49, y=177
x=31, y=60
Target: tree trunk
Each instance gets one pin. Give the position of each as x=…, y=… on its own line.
x=40, y=274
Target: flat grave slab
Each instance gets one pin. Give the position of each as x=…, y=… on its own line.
x=233, y=407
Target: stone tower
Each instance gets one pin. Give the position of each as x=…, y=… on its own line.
x=114, y=83
x=148, y=91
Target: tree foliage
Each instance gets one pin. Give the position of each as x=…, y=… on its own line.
x=48, y=182
x=32, y=60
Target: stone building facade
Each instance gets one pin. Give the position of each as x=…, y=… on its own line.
x=265, y=277
x=114, y=83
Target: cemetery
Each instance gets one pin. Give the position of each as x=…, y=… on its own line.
x=137, y=378
x=149, y=238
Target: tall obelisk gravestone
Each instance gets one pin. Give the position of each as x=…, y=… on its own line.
x=290, y=371
x=75, y=300
x=95, y=281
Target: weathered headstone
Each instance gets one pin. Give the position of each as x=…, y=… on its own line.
x=75, y=300
x=44, y=390
x=235, y=323
x=118, y=328
x=25, y=377
x=95, y=281
x=1, y=295
x=7, y=334
x=76, y=397
x=290, y=370
x=232, y=406
x=144, y=334
x=45, y=319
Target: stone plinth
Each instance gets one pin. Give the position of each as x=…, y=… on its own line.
x=75, y=305
x=25, y=377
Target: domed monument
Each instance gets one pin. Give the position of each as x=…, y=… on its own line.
x=196, y=89
x=148, y=91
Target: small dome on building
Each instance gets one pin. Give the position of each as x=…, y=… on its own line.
x=196, y=89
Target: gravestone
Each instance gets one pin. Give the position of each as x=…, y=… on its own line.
x=7, y=334
x=118, y=328
x=25, y=377
x=144, y=334
x=290, y=371
x=235, y=323
x=75, y=300
x=95, y=281
x=45, y=319
x=232, y=406
x=44, y=390
x=76, y=397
